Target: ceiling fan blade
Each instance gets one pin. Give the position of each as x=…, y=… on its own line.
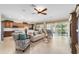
x=44, y=13
x=44, y=10
x=36, y=9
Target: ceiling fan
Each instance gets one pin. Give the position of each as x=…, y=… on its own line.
x=41, y=11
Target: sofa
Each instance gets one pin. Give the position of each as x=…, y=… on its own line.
x=37, y=37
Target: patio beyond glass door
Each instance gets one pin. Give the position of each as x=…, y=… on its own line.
x=59, y=29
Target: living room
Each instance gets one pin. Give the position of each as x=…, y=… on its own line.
x=37, y=29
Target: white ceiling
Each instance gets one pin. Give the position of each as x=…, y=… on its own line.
x=54, y=12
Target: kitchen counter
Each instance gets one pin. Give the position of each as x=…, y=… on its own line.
x=13, y=29
x=8, y=31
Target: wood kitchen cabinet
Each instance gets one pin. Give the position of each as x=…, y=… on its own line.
x=7, y=23
x=8, y=33
x=20, y=25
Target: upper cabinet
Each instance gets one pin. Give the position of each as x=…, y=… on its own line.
x=12, y=24
x=18, y=25
x=7, y=23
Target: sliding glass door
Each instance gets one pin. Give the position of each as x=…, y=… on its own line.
x=60, y=28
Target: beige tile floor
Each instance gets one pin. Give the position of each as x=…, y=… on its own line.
x=7, y=46
x=56, y=45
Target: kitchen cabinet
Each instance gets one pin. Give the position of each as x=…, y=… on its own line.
x=7, y=23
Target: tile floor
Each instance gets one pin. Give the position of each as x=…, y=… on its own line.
x=7, y=46
x=56, y=45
